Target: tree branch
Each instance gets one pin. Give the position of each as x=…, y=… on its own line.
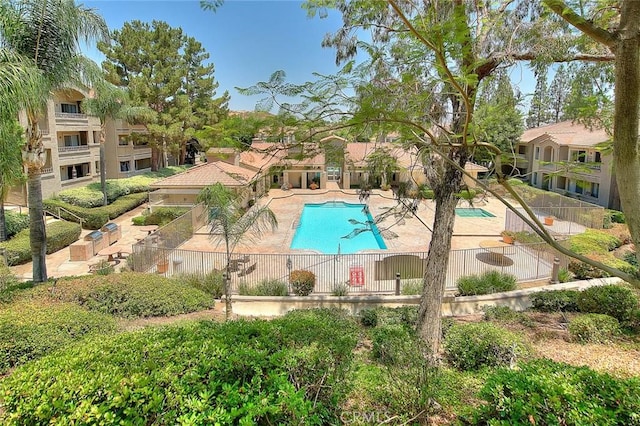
x=586, y=26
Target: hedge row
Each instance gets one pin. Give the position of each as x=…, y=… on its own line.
x=91, y=195
x=15, y=222
x=133, y=295
x=31, y=329
x=596, y=245
x=60, y=234
x=289, y=371
x=96, y=217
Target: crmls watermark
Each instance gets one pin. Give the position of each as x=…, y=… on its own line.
x=364, y=417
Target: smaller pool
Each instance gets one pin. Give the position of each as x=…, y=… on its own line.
x=473, y=213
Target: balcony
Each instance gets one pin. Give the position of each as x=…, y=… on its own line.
x=71, y=119
x=71, y=115
x=47, y=170
x=140, y=146
x=72, y=149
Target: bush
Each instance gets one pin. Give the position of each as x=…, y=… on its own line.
x=506, y=315
x=32, y=329
x=302, y=282
x=139, y=220
x=615, y=216
x=264, y=288
x=584, y=271
x=594, y=328
x=60, y=234
x=394, y=345
x=211, y=283
x=340, y=289
x=613, y=300
x=369, y=317
x=291, y=370
x=15, y=222
x=163, y=215
x=104, y=268
x=94, y=218
x=467, y=194
x=472, y=346
x=593, y=241
x=487, y=283
x=7, y=279
x=555, y=301
x=133, y=295
x=545, y=392
x=564, y=275
x=411, y=287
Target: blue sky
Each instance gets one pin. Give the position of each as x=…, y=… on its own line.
x=248, y=40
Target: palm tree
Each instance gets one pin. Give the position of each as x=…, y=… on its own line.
x=229, y=223
x=111, y=102
x=45, y=34
x=11, y=170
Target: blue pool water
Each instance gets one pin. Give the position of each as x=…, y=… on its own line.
x=473, y=213
x=322, y=226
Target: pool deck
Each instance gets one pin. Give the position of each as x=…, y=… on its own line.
x=413, y=232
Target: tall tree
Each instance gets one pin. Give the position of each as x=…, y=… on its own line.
x=108, y=103
x=539, y=106
x=164, y=69
x=11, y=169
x=497, y=120
x=229, y=224
x=615, y=25
x=558, y=93
x=46, y=35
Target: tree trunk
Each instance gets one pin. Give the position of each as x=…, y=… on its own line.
x=626, y=152
x=3, y=222
x=103, y=167
x=430, y=310
x=227, y=285
x=37, y=231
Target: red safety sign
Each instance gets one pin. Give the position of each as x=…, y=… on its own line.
x=356, y=275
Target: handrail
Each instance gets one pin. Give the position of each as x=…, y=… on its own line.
x=59, y=215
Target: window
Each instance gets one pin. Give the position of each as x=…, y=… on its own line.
x=595, y=190
x=534, y=180
x=71, y=140
x=522, y=149
x=579, y=156
x=97, y=166
x=124, y=166
x=597, y=157
x=537, y=157
x=122, y=141
x=580, y=186
x=69, y=108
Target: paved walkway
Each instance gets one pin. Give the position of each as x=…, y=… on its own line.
x=58, y=263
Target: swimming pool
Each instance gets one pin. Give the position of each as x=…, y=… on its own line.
x=473, y=213
x=322, y=226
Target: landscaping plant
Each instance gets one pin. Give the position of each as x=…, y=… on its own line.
x=302, y=282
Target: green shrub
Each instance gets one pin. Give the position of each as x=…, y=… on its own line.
x=394, y=345
x=32, y=329
x=163, y=215
x=585, y=271
x=302, y=282
x=467, y=194
x=139, y=220
x=472, y=346
x=60, y=234
x=340, y=289
x=291, y=370
x=426, y=192
x=543, y=392
x=103, y=267
x=594, y=328
x=615, y=216
x=369, y=317
x=506, y=315
x=94, y=218
x=411, y=287
x=527, y=237
x=555, y=301
x=264, y=288
x=564, y=275
x=15, y=222
x=613, y=300
x=487, y=283
x=212, y=283
x=133, y=295
x=7, y=279
x=593, y=241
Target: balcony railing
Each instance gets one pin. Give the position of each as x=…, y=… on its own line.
x=47, y=170
x=73, y=115
x=140, y=146
x=76, y=148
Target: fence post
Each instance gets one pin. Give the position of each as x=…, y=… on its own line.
x=397, y=283
x=555, y=270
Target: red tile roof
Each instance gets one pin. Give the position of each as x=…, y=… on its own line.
x=566, y=133
x=208, y=174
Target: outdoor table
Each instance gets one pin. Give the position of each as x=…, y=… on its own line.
x=110, y=251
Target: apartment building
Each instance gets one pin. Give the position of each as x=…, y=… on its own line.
x=564, y=158
x=71, y=140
